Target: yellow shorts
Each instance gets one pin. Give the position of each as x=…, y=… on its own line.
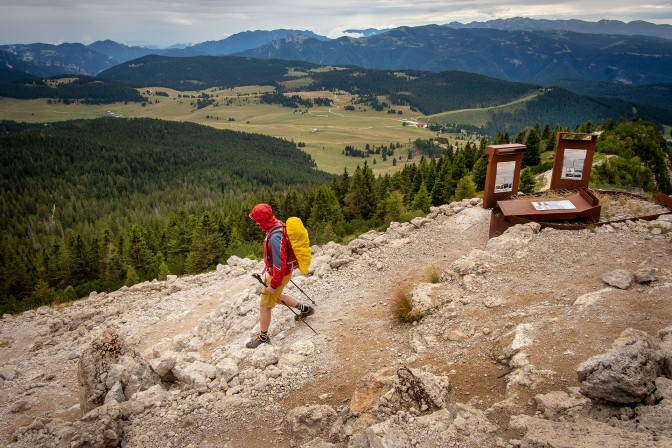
x=270, y=300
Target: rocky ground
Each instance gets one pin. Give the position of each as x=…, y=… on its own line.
x=532, y=339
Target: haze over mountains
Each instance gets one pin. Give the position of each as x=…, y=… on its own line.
x=516, y=49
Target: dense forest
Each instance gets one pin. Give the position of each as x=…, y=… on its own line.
x=201, y=72
x=93, y=205
x=84, y=89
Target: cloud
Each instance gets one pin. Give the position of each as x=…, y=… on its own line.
x=167, y=22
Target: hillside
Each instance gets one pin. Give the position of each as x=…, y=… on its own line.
x=200, y=72
x=508, y=353
x=656, y=95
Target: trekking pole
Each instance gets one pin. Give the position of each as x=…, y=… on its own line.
x=304, y=292
x=258, y=277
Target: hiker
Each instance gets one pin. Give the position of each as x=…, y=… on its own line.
x=280, y=260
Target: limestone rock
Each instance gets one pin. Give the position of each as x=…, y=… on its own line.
x=620, y=278
x=308, y=422
x=227, y=369
x=626, y=373
x=369, y=389
x=107, y=361
x=646, y=275
x=557, y=403
x=656, y=418
x=264, y=356
x=582, y=433
x=665, y=343
x=163, y=365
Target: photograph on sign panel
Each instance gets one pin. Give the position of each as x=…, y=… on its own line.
x=504, y=177
x=572, y=164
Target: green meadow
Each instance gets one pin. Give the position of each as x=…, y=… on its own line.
x=325, y=131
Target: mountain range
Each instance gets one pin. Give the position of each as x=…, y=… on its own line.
x=518, y=49
x=527, y=56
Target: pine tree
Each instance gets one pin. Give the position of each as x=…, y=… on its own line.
x=78, y=260
x=528, y=183
x=341, y=186
x=422, y=201
x=532, y=156
x=546, y=133
x=441, y=192
x=458, y=171
x=137, y=254
x=360, y=202
x=502, y=138
x=480, y=170
x=466, y=188
x=292, y=205
x=207, y=245
x=325, y=209
x=470, y=154
x=393, y=207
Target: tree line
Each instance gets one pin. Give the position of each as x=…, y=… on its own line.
x=84, y=89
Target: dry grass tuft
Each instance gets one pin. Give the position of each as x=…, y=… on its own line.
x=402, y=308
x=433, y=275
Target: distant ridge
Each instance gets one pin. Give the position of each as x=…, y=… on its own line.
x=248, y=40
x=522, y=56
x=634, y=28
x=48, y=60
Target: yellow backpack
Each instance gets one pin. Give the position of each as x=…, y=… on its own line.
x=298, y=237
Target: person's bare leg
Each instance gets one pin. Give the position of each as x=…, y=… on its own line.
x=265, y=319
x=289, y=300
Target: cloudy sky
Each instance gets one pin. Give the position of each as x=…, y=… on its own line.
x=166, y=22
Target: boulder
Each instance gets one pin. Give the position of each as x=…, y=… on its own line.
x=308, y=422
x=104, y=351
x=665, y=344
x=101, y=427
x=620, y=278
x=656, y=419
x=626, y=373
x=369, y=389
x=164, y=364
x=646, y=275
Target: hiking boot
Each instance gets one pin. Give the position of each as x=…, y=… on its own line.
x=257, y=341
x=303, y=314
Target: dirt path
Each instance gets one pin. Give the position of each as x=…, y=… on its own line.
x=356, y=324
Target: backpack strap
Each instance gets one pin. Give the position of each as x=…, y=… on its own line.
x=275, y=229
x=271, y=231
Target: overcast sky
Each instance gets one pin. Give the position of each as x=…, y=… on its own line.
x=166, y=22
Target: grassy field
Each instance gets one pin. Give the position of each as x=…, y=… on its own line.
x=324, y=130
